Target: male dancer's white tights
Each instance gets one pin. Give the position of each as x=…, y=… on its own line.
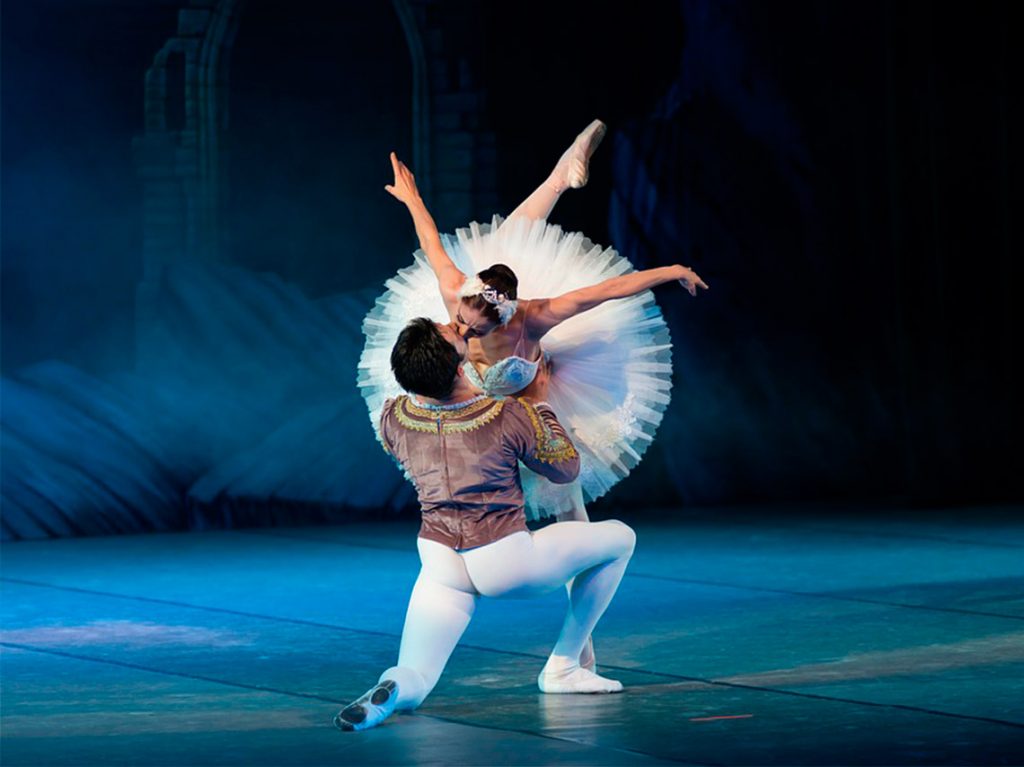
x=593, y=554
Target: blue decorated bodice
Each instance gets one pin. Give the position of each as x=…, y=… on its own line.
x=504, y=377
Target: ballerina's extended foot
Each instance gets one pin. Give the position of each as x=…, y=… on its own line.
x=376, y=705
x=573, y=167
x=572, y=679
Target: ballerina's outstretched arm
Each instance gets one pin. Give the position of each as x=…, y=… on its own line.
x=449, y=277
x=546, y=313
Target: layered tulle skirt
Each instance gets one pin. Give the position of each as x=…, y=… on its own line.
x=611, y=366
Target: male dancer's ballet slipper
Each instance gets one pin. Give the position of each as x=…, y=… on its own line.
x=376, y=705
x=573, y=167
x=575, y=680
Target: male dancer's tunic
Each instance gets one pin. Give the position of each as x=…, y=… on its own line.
x=464, y=461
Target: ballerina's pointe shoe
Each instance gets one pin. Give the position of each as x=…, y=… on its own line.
x=574, y=680
x=588, y=660
x=573, y=167
x=376, y=705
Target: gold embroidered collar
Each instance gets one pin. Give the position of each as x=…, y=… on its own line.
x=449, y=420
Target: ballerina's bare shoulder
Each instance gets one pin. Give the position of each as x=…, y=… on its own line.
x=502, y=343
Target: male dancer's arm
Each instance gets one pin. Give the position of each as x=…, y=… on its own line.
x=540, y=441
x=384, y=427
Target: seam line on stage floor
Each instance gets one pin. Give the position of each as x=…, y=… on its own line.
x=824, y=595
x=514, y=653
x=889, y=534
x=325, y=699
x=694, y=581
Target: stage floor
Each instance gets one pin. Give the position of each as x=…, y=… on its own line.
x=743, y=636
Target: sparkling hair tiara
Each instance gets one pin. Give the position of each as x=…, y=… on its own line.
x=474, y=286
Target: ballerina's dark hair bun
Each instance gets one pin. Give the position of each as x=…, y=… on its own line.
x=502, y=279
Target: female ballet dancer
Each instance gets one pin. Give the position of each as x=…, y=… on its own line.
x=612, y=367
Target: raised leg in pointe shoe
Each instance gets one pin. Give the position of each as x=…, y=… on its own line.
x=572, y=171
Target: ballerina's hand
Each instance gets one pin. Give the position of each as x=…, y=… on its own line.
x=404, y=188
x=689, y=280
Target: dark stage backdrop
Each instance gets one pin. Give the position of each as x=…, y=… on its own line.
x=843, y=173
x=840, y=173
x=312, y=121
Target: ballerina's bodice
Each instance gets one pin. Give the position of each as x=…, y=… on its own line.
x=506, y=376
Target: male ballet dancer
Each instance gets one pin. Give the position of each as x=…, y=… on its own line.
x=462, y=450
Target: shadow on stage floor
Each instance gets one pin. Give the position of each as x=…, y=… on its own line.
x=743, y=636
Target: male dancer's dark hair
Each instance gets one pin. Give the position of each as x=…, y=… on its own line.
x=423, y=361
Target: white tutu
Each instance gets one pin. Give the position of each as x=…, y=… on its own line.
x=611, y=366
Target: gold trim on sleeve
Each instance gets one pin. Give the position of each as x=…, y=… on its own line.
x=551, y=448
